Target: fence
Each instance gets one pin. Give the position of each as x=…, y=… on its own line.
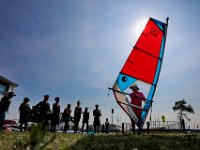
x=165, y=125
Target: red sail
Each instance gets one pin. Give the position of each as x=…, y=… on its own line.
x=143, y=60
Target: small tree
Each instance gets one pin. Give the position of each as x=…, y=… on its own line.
x=183, y=109
x=163, y=119
x=38, y=139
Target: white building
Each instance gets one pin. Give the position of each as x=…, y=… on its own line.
x=6, y=86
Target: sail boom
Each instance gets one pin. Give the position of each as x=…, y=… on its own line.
x=129, y=104
x=114, y=90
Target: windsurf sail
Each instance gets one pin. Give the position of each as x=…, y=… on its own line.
x=142, y=68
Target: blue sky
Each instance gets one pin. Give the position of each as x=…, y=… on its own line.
x=75, y=50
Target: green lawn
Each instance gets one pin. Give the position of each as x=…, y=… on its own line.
x=163, y=141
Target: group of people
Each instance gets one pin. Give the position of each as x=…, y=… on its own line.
x=42, y=113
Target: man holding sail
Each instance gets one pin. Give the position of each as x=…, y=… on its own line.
x=136, y=99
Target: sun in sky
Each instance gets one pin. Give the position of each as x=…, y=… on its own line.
x=138, y=27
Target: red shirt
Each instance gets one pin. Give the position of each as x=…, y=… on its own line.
x=136, y=99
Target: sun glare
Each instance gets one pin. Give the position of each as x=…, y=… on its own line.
x=139, y=27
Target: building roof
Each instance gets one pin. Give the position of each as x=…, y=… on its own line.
x=6, y=81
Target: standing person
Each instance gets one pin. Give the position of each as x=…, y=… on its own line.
x=133, y=126
x=77, y=116
x=136, y=99
x=4, y=106
x=148, y=125
x=44, y=109
x=24, y=110
x=107, y=125
x=96, y=114
x=55, y=115
x=183, y=125
x=85, y=119
x=66, y=117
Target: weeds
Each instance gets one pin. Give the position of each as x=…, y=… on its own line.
x=37, y=139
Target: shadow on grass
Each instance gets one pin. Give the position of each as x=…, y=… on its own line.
x=137, y=142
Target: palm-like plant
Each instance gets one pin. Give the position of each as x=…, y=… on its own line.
x=37, y=140
x=183, y=109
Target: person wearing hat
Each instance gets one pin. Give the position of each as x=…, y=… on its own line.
x=136, y=99
x=96, y=114
x=24, y=110
x=77, y=116
x=4, y=106
x=56, y=114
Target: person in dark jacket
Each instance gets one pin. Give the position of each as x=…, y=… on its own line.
x=85, y=119
x=96, y=114
x=24, y=110
x=77, y=116
x=4, y=106
x=44, y=109
x=55, y=115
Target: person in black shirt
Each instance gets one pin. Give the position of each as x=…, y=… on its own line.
x=77, y=116
x=56, y=114
x=4, y=106
x=85, y=119
x=44, y=109
x=24, y=110
x=96, y=114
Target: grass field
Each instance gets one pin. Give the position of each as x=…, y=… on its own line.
x=163, y=141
